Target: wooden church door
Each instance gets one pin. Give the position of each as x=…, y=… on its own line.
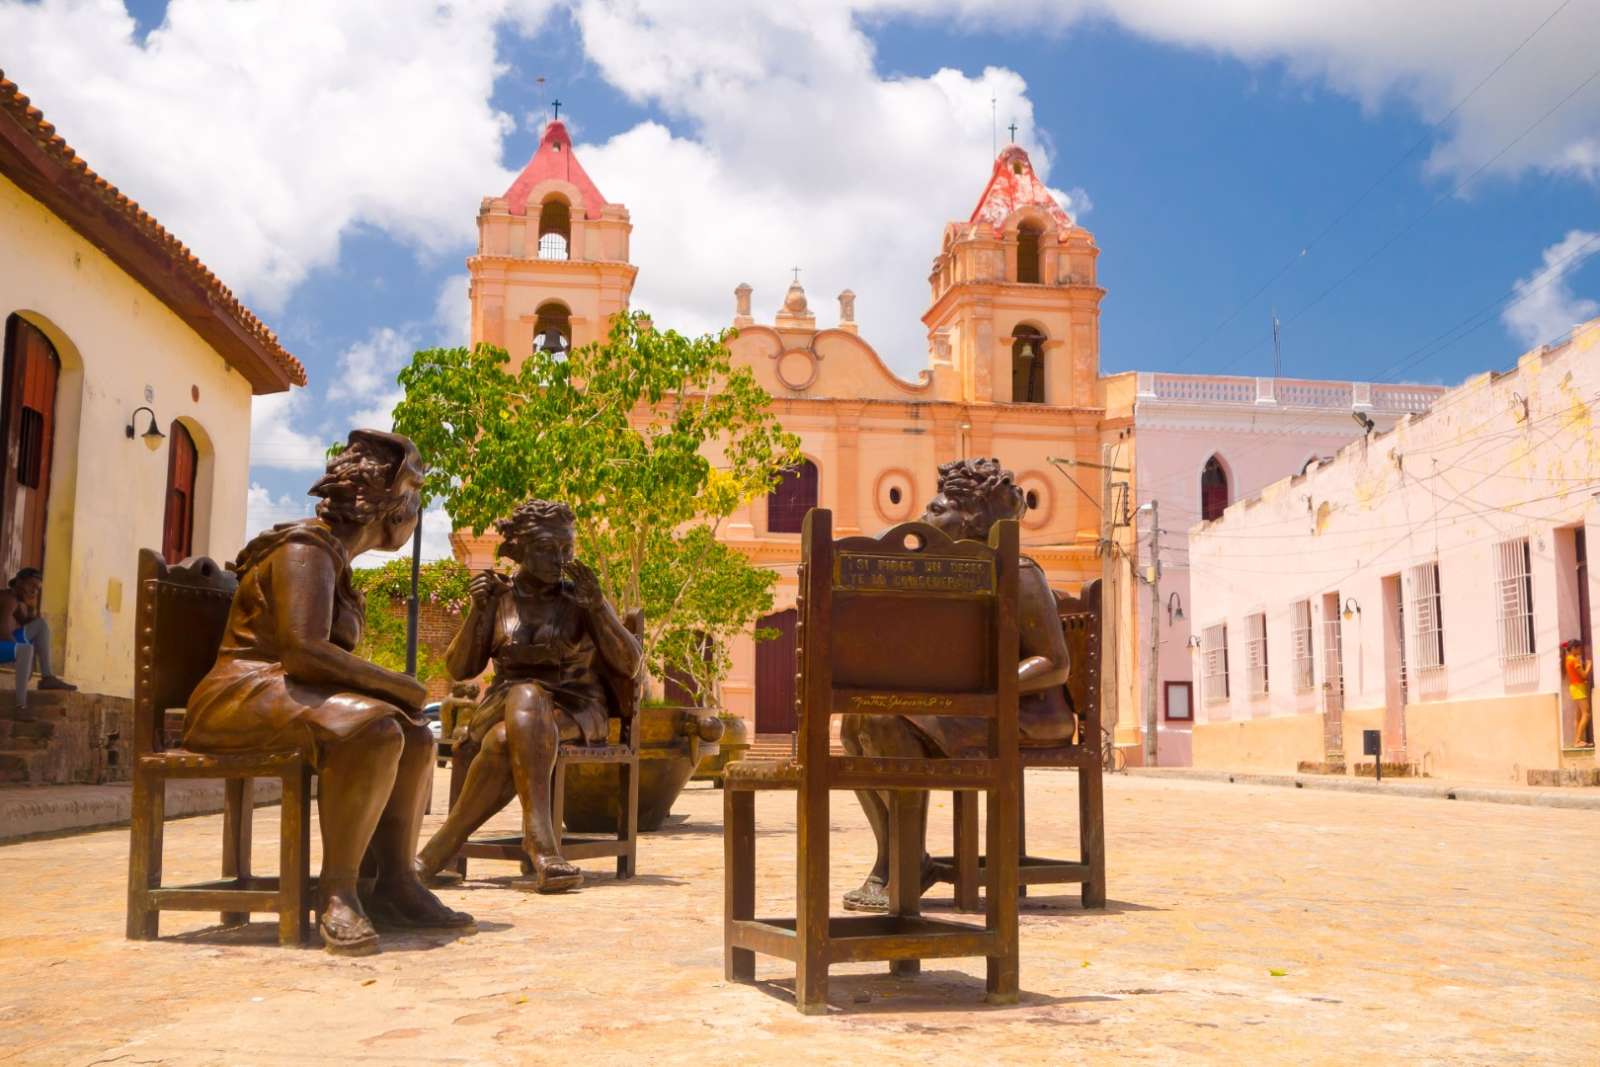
x=177, y=531
x=27, y=425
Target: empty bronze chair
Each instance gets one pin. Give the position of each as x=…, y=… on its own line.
x=911, y=622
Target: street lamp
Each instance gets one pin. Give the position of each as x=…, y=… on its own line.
x=1174, y=608
x=152, y=435
x=1351, y=608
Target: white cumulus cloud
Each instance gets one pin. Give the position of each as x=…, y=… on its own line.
x=1545, y=307
x=264, y=511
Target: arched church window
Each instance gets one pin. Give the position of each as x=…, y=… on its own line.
x=793, y=496
x=552, y=329
x=1027, y=366
x=1213, y=489
x=1028, y=253
x=555, y=229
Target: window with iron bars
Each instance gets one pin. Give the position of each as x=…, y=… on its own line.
x=1214, y=662
x=1300, y=628
x=1426, y=617
x=1514, y=579
x=1255, y=653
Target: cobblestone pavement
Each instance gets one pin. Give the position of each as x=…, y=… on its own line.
x=1247, y=925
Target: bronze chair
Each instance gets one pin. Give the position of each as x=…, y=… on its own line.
x=624, y=753
x=909, y=622
x=1080, y=618
x=182, y=614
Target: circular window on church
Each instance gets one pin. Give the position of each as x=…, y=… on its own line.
x=1038, y=504
x=895, y=495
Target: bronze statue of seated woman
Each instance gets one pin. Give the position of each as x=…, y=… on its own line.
x=286, y=677
x=973, y=495
x=563, y=663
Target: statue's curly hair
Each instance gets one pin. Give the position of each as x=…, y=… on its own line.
x=982, y=487
x=359, y=487
x=528, y=519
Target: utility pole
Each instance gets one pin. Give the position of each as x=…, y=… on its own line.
x=1155, y=639
x=412, y=602
x=1110, y=695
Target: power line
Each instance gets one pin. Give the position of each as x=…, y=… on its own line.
x=1345, y=213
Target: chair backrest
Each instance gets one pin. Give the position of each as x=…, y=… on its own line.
x=1080, y=621
x=907, y=623
x=182, y=613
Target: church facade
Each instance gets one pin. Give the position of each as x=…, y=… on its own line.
x=1012, y=372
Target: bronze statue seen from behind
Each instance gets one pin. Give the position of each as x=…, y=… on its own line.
x=286, y=677
x=563, y=662
x=973, y=495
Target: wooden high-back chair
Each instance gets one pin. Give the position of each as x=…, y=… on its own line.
x=624, y=754
x=182, y=612
x=907, y=623
x=1080, y=621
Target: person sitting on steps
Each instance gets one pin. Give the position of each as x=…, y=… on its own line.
x=29, y=645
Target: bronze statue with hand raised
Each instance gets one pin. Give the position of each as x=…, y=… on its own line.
x=563, y=662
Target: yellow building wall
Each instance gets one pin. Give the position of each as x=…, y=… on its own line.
x=107, y=493
x=1273, y=745
x=1498, y=739
x=1493, y=740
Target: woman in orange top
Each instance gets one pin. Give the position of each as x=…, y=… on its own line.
x=1580, y=674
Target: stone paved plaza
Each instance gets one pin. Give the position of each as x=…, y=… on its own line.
x=1247, y=925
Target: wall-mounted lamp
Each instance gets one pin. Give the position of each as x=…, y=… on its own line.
x=1363, y=420
x=1194, y=641
x=1351, y=608
x=152, y=435
x=1174, y=608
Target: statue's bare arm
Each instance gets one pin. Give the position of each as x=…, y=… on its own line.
x=302, y=581
x=1044, y=660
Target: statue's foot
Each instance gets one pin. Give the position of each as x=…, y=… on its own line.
x=346, y=930
x=873, y=895
x=555, y=875
x=435, y=874
x=406, y=904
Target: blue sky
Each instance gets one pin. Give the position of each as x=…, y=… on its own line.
x=1204, y=151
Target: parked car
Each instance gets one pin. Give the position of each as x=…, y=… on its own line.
x=430, y=712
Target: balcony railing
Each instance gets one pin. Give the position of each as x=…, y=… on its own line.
x=1225, y=390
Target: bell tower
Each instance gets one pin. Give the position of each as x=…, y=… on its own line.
x=552, y=262
x=1014, y=298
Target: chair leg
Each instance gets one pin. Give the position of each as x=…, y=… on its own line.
x=144, y=854
x=558, y=801
x=966, y=849
x=1022, y=827
x=294, y=857
x=238, y=814
x=905, y=866
x=739, y=880
x=1092, y=834
x=628, y=821
x=811, y=898
x=459, y=763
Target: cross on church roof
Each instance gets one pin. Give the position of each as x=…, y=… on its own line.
x=796, y=274
x=1013, y=129
x=557, y=105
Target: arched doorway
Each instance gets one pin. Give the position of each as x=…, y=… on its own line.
x=27, y=426
x=775, y=669
x=183, y=465
x=793, y=496
x=555, y=229
x=1028, y=235
x=1213, y=490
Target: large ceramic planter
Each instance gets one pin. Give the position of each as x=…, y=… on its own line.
x=735, y=743
x=672, y=741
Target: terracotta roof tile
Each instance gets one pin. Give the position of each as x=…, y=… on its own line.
x=52, y=144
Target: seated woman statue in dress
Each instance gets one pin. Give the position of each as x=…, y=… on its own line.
x=286, y=678
x=973, y=495
x=561, y=659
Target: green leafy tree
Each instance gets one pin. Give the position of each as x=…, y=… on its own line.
x=383, y=637
x=652, y=437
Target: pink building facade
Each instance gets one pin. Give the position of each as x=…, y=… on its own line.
x=1418, y=584
x=1198, y=443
